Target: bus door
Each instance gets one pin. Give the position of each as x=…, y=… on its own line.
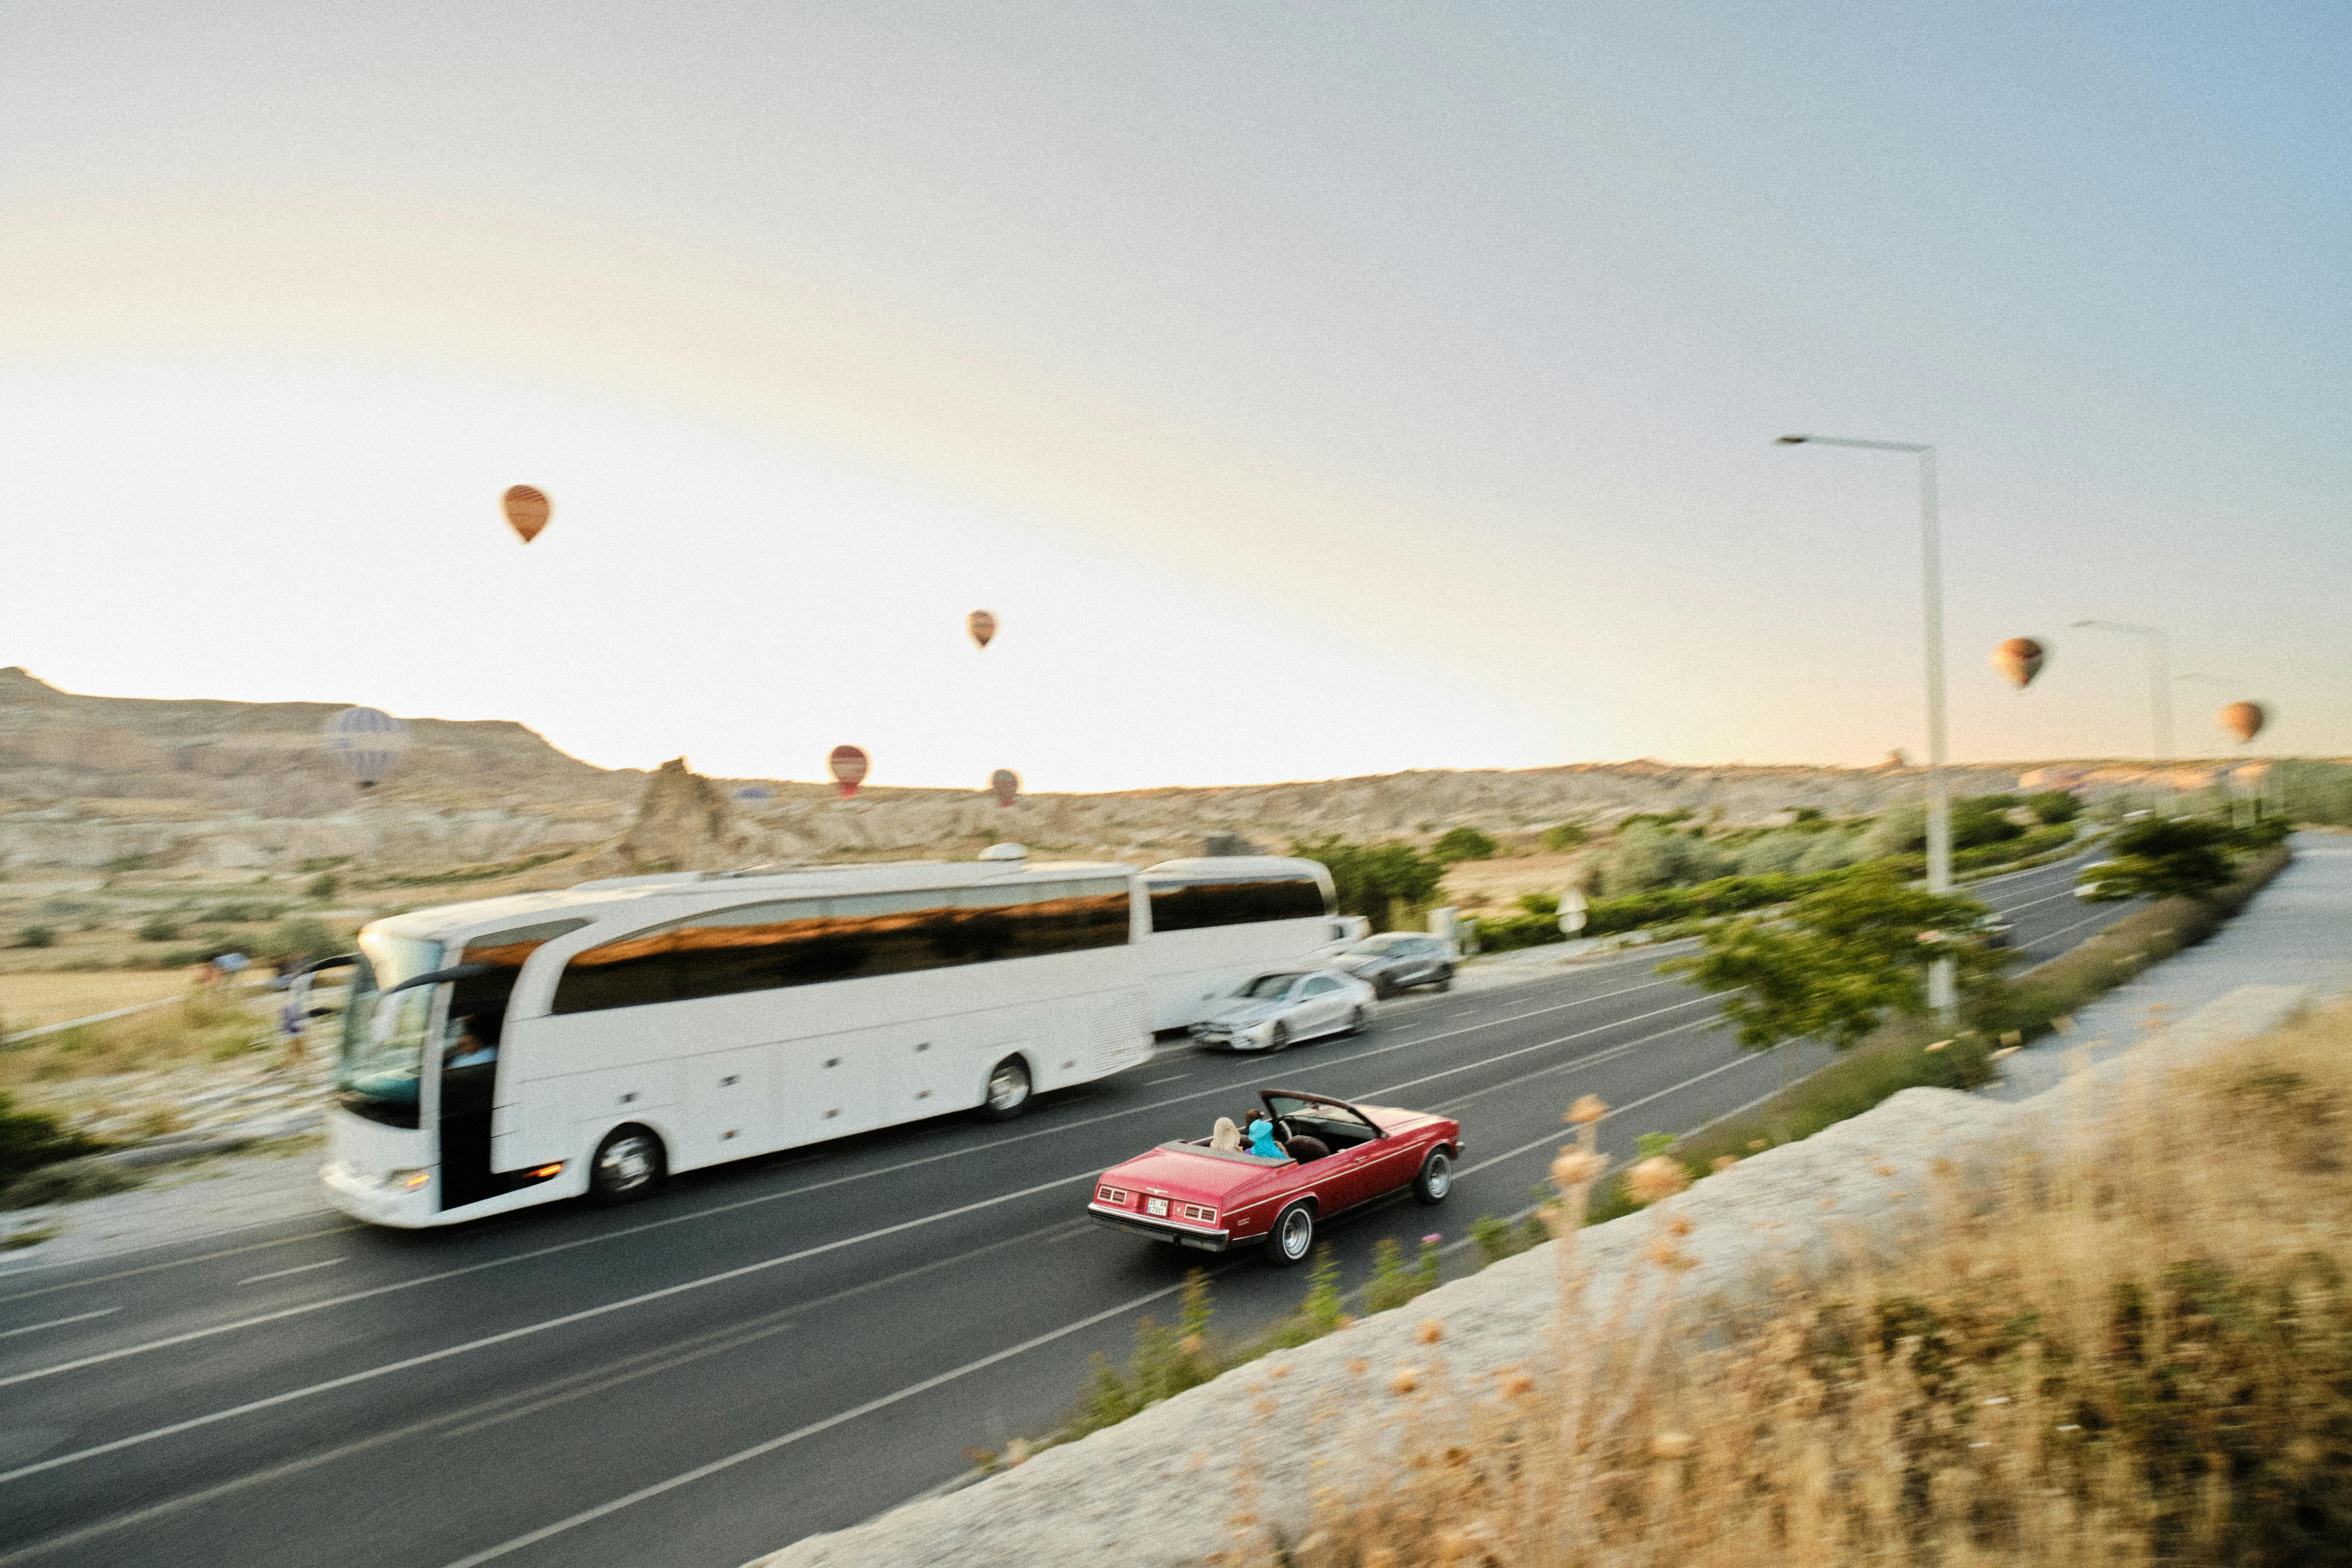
x=472, y=1032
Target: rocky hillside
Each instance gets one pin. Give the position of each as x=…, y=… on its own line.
x=85, y=782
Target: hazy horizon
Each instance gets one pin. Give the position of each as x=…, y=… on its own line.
x=1311, y=393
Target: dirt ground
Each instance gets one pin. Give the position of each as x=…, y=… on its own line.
x=30, y=1000
x=1493, y=887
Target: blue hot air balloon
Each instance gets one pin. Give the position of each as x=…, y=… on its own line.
x=368, y=741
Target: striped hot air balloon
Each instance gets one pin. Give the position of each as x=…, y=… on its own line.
x=368, y=741
x=848, y=764
x=981, y=626
x=1006, y=785
x=527, y=510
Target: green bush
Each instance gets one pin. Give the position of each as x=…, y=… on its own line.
x=300, y=937
x=240, y=915
x=1563, y=835
x=1462, y=844
x=37, y=936
x=163, y=928
x=68, y=1182
x=323, y=886
x=2054, y=806
x=31, y=1138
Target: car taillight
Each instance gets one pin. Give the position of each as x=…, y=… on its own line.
x=1110, y=1196
x=1205, y=1216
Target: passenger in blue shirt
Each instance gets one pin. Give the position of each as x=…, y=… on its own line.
x=1261, y=1138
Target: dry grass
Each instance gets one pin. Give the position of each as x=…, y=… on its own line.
x=2138, y=1349
x=205, y=1027
x=28, y=1000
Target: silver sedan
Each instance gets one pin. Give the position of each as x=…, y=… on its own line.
x=1281, y=1008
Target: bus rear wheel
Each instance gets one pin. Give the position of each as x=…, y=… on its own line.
x=629, y=1165
x=1008, y=1090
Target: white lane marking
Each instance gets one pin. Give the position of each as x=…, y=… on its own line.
x=2078, y=925
x=297, y=1269
x=1595, y=1057
x=527, y=1329
x=688, y=1478
x=1171, y=1078
x=57, y=1322
x=2035, y=903
x=525, y=1332
x=612, y=1373
x=589, y=1516
x=1594, y=1060
x=184, y=1262
x=257, y=1319
x=1614, y=1112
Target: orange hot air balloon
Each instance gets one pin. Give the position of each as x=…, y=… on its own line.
x=981, y=626
x=526, y=510
x=848, y=764
x=1006, y=785
x=2019, y=660
x=2243, y=719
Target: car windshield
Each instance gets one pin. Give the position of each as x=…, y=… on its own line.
x=1266, y=985
x=379, y=1076
x=1387, y=942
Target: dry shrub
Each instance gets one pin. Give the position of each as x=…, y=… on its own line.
x=2137, y=1348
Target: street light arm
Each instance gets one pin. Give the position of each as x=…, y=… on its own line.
x=1849, y=441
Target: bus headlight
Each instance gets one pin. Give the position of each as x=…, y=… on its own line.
x=407, y=1181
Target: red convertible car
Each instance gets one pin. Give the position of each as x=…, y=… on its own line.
x=1193, y=1195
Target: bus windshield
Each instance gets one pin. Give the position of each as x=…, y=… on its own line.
x=380, y=1078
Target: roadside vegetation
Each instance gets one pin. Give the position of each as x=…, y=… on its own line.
x=2133, y=1348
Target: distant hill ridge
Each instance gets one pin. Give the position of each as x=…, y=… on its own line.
x=89, y=780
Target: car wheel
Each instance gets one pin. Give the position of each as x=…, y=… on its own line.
x=1382, y=989
x=1008, y=1090
x=1357, y=1021
x=1279, y=1040
x=1436, y=1178
x=1292, y=1237
x=1445, y=980
x=629, y=1164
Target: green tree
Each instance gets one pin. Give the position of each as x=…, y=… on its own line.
x=1462, y=844
x=1847, y=956
x=37, y=936
x=2054, y=806
x=2159, y=858
x=1373, y=880
x=323, y=886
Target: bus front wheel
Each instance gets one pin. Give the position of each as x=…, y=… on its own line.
x=629, y=1164
x=1008, y=1090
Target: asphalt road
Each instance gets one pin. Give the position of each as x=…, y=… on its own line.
x=783, y=1347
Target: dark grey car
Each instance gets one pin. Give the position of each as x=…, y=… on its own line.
x=1395, y=961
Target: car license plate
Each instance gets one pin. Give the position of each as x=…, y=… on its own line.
x=1156, y=1206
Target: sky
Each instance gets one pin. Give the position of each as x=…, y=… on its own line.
x=1311, y=390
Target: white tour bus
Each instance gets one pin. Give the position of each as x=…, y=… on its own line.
x=1217, y=920
x=517, y=1050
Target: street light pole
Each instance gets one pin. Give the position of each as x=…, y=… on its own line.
x=2159, y=682
x=1941, y=991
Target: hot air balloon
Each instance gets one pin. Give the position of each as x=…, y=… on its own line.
x=526, y=510
x=2019, y=660
x=368, y=741
x=848, y=764
x=981, y=626
x=2243, y=719
x=1006, y=785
